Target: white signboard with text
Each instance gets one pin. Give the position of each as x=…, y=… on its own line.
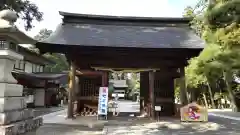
x=103, y=101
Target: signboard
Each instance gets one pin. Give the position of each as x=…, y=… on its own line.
x=194, y=112
x=103, y=101
x=158, y=108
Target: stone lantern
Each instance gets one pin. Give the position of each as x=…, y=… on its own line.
x=15, y=118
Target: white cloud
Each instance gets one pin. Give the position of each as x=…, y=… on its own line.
x=149, y=8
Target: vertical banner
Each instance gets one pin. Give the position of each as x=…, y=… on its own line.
x=103, y=101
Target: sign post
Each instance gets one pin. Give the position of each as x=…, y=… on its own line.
x=103, y=102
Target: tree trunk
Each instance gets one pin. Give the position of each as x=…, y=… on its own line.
x=193, y=97
x=228, y=78
x=205, y=100
x=211, y=94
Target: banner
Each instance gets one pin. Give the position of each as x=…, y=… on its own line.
x=103, y=101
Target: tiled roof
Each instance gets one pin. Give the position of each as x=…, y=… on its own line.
x=125, y=36
x=114, y=31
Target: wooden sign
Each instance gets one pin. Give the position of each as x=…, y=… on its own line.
x=194, y=112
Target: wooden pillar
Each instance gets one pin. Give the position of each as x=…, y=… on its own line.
x=151, y=95
x=105, y=79
x=72, y=82
x=183, y=91
x=144, y=94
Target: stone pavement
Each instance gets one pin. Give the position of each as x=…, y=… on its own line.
x=56, y=124
x=43, y=110
x=215, y=126
x=226, y=113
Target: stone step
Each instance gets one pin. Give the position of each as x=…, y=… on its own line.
x=17, y=115
x=12, y=103
x=21, y=127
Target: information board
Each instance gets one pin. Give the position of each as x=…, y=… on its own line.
x=103, y=101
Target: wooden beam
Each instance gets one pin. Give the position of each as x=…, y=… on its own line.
x=151, y=95
x=146, y=52
x=90, y=73
x=144, y=92
x=72, y=83
x=143, y=63
x=105, y=79
x=183, y=91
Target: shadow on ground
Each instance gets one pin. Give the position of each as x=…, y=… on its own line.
x=56, y=129
x=167, y=126
x=143, y=126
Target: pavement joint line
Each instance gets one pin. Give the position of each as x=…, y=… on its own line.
x=224, y=116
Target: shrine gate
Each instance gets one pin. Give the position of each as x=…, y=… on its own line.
x=161, y=45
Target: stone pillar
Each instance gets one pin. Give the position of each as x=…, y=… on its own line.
x=15, y=118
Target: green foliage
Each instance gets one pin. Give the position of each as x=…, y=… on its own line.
x=25, y=9
x=223, y=13
x=133, y=83
x=59, y=59
x=60, y=62
x=218, y=25
x=43, y=34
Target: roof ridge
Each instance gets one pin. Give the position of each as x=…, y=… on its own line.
x=75, y=17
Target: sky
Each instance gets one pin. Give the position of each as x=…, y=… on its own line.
x=144, y=8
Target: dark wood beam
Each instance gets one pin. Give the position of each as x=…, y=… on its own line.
x=129, y=64
x=90, y=73
x=152, y=52
x=151, y=94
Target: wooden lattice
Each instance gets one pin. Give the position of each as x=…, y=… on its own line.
x=89, y=110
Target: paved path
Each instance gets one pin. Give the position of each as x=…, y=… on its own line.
x=215, y=126
x=226, y=115
x=128, y=106
x=43, y=111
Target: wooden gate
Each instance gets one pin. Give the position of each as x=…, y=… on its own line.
x=87, y=95
x=164, y=94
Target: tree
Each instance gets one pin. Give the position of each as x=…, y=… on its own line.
x=59, y=59
x=219, y=27
x=43, y=34
x=25, y=9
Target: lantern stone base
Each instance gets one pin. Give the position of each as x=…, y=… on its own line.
x=15, y=118
x=21, y=126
